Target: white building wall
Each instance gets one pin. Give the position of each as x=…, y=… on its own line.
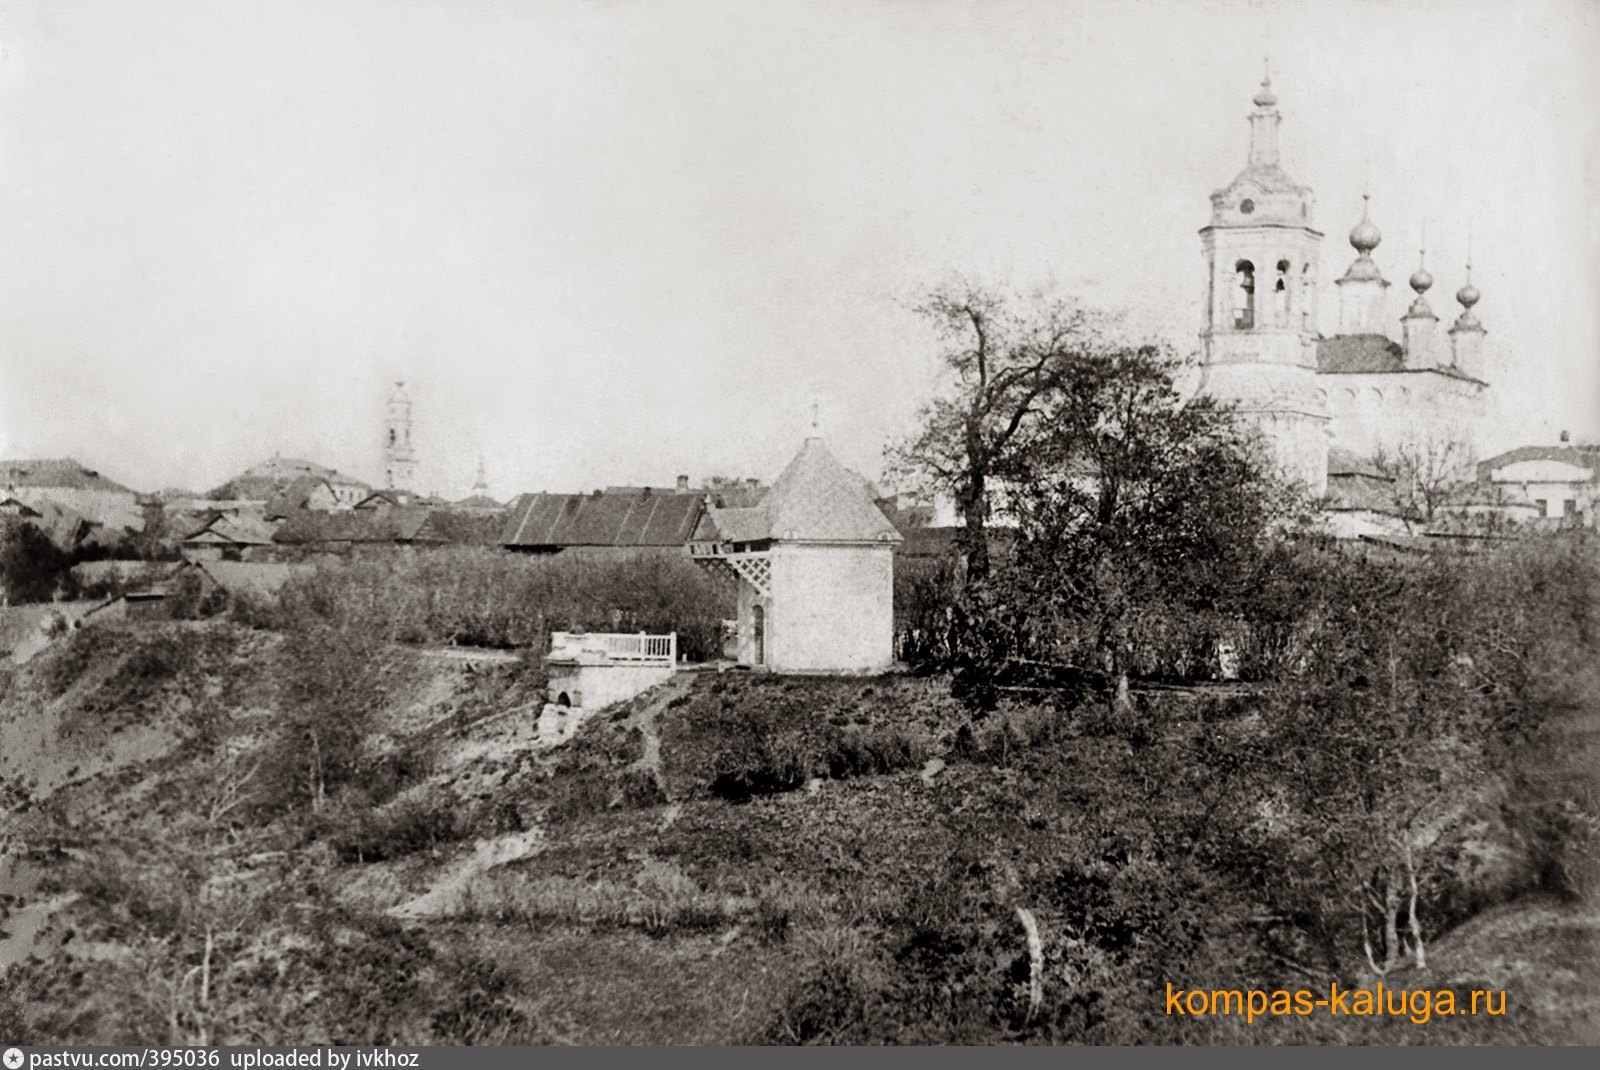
x=1391, y=410
x=832, y=608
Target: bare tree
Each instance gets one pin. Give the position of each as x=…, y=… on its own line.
x=1004, y=361
x=1423, y=473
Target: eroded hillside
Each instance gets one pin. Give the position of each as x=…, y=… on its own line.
x=218, y=834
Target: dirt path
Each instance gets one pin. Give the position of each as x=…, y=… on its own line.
x=20, y=935
x=646, y=721
x=445, y=895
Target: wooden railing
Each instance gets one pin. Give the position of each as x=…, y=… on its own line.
x=617, y=646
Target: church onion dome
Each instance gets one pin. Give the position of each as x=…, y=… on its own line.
x=1365, y=236
x=1468, y=296
x=1421, y=281
x=1265, y=97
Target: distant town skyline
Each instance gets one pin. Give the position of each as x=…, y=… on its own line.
x=611, y=244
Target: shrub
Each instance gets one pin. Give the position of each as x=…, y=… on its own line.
x=480, y=597
x=401, y=829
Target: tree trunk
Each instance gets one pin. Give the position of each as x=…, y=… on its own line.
x=1419, y=951
x=1035, y=961
x=974, y=534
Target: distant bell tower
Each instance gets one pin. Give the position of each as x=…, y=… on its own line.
x=399, y=459
x=1258, y=335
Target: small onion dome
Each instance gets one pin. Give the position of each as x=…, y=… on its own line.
x=1468, y=295
x=1421, y=281
x=1265, y=97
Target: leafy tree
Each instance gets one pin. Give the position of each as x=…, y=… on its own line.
x=32, y=567
x=1141, y=516
x=1003, y=360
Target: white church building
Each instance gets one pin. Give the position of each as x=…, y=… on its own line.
x=1357, y=391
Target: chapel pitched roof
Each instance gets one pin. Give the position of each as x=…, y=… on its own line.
x=816, y=499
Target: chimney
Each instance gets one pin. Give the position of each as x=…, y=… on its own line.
x=1566, y=436
x=683, y=484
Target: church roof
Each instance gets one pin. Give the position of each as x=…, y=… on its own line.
x=1359, y=353
x=1348, y=354
x=1266, y=177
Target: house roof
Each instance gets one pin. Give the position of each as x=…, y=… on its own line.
x=256, y=577
x=816, y=499
x=65, y=527
x=292, y=497
x=1359, y=492
x=17, y=507
x=1580, y=456
x=477, y=501
x=1346, y=462
x=396, y=496
x=400, y=524
x=241, y=530
x=461, y=528
x=64, y=473
x=273, y=477
x=601, y=520
x=122, y=571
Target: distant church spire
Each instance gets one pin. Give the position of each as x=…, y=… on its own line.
x=481, y=486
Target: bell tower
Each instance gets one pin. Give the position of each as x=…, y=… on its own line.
x=399, y=459
x=1258, y=335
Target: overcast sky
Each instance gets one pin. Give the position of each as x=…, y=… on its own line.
x=613, y=242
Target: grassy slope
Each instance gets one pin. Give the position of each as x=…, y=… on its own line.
x=607, y=890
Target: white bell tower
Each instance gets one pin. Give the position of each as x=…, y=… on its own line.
x=1258, y=338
